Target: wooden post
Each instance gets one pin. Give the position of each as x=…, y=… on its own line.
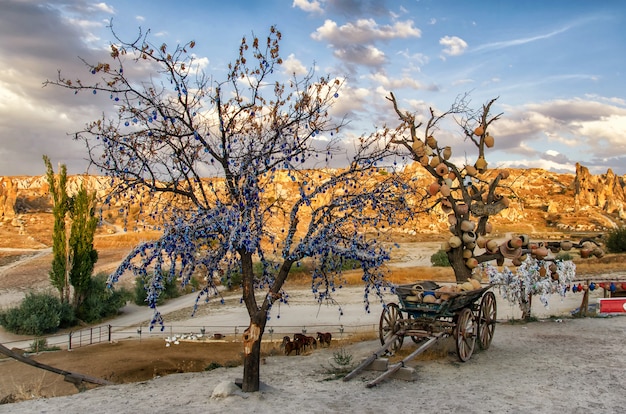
x=584, y=306
x=392, y=369
x=372, y=357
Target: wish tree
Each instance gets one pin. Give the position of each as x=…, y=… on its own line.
x=237, y=172
x=470, y=193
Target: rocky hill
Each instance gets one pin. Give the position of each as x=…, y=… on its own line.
x=542, y=202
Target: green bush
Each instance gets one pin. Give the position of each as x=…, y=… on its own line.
x=440, y=259
x=41, y=345
x=565, y=256
x=171, y=290
x=101, y=302
x=38, y=314
x=616, y=240
x=234, y=281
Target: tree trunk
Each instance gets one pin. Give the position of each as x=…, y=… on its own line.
x=252, y=354
x=461, y=272
x=525, y=306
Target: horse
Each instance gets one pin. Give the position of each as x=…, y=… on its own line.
x=324, y=338
x=306, y=341
x=290, y=345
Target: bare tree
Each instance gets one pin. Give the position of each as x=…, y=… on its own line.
x=270, y=201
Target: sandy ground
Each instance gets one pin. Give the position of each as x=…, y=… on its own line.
x=559, y=364
x=572, y=366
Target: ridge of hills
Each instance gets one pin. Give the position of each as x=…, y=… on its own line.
x=542, y=203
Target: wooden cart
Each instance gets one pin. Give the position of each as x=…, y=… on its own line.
x=468, y=316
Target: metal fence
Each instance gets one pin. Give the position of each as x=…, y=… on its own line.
x=228, y=333
x=89, y=336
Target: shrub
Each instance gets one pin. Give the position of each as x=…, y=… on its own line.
x=616, y=240
x=102, y=302
x=38, y=314
x=213, y=365
x=193, y=285
x=440, y=259
x=565, y=256
x=40, y=345
x=341, y=364
x=171, y=289
x=233, y=280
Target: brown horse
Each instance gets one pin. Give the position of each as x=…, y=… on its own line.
x=324, y=338
x=306, y=341
x=290, y=345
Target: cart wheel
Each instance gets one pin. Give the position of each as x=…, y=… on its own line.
x=486, y=320
x=465, y=334
x=389, y=325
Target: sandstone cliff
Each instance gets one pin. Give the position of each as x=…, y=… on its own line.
x=541, y=202
x=604, y=191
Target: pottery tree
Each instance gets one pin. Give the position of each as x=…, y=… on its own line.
x=472, y=193
x=240, y=167
x=468, y=194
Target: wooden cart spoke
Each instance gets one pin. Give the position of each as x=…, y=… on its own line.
x=465, y=334
x=486, y=320
x=390, y=325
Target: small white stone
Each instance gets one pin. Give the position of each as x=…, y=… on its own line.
x=225, y=389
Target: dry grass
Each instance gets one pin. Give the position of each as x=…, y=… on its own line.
x=123, y=240
x=37, y=386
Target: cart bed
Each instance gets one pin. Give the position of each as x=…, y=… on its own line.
x=457, y=300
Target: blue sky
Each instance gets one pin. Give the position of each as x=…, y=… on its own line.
x=558, y=67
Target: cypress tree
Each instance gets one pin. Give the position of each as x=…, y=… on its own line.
x=59, y=276
x=82, y=255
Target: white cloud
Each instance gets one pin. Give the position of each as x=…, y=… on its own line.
x=363, y=55
x=292, y=66
x=397, y=83
x=588, y=131
x=363, y=31
x=453, y=45
x=521, y=41
x=462, y=82
x=420, y=58
x=104, y=7
x=540, y=163
x=354, y=42
x=198, y=65
x=350, y=100
x=313, y=6
x=605, y=134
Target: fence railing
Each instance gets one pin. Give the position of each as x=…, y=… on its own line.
x=110, y=333
x=89, y=336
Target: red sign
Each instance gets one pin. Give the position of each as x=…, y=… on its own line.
x=612, y=305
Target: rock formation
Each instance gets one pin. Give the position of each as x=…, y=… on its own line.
x=540, y=202
x=605, y=191
x=8, y=197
